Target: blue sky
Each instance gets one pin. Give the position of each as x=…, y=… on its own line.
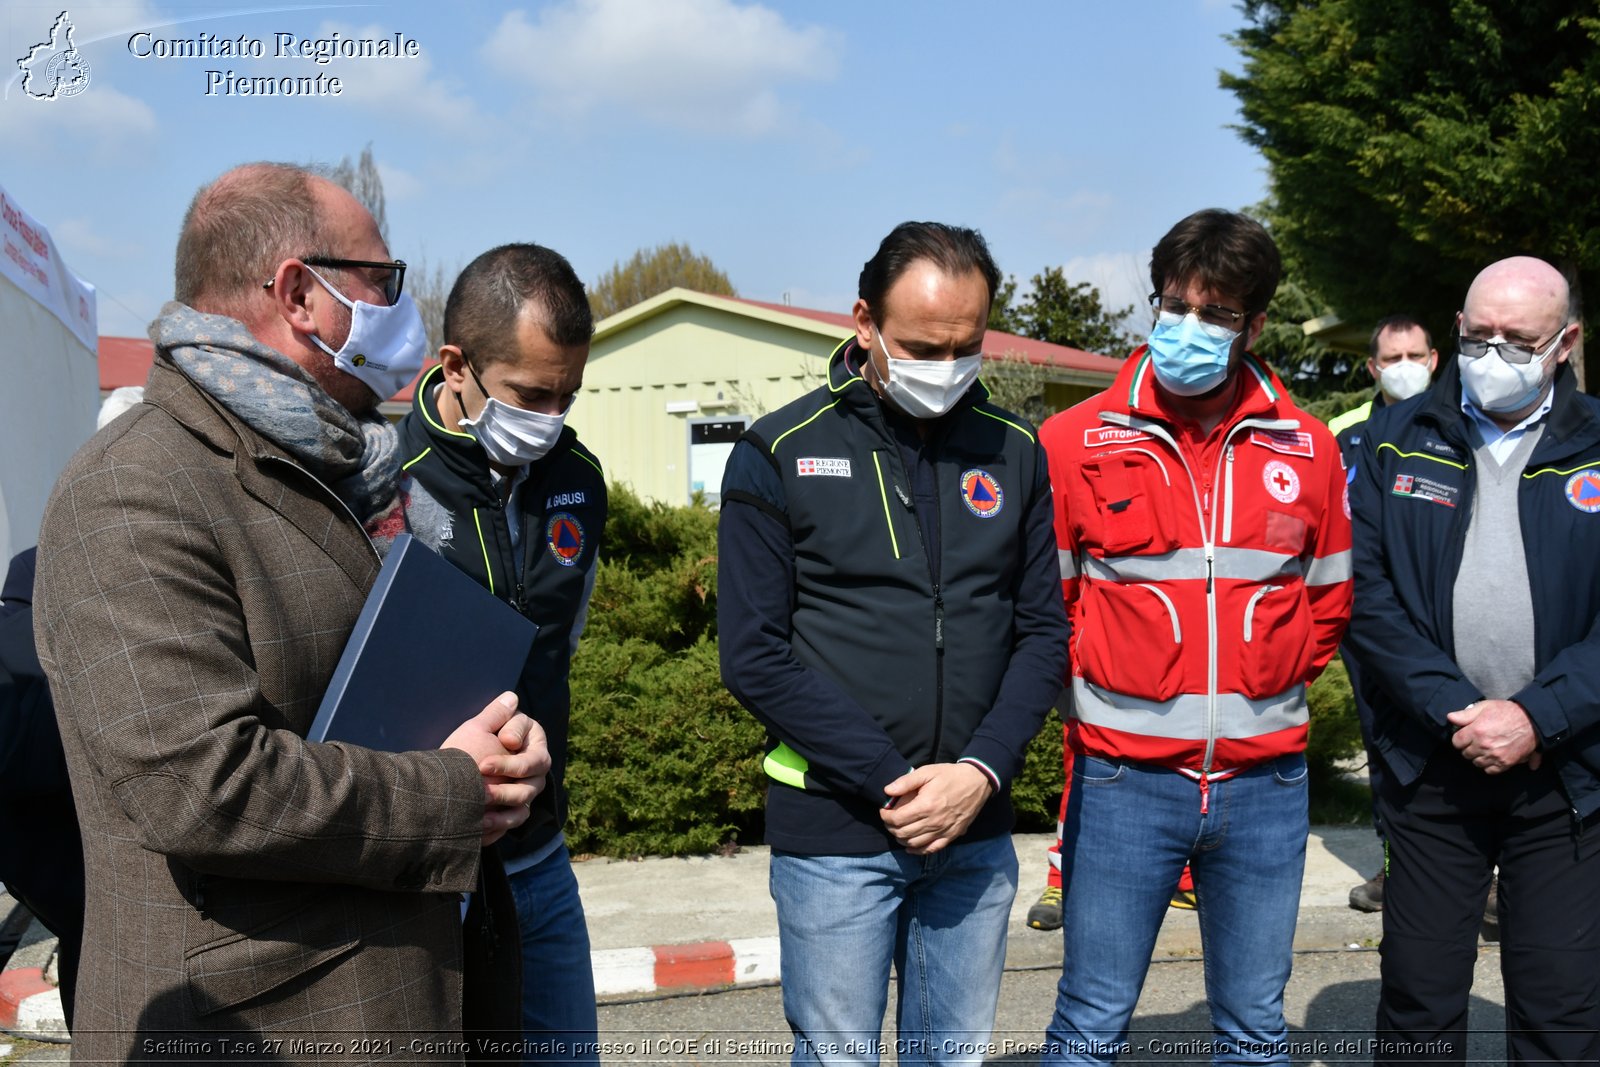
x=782, y=139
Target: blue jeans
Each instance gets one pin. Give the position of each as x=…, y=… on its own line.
x=1130, y=828
x=939, y=920
x=558, y=1010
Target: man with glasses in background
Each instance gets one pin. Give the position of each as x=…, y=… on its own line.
x=1477, y=631
x=202, y=562
x=1205, y=565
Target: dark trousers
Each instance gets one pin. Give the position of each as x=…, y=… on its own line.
x=1447, y=831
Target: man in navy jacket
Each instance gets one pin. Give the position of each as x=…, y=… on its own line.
x=889, y=608
x=1477, y=628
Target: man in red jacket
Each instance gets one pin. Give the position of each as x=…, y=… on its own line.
x=1204, y=542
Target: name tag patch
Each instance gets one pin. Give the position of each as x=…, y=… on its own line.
x=565, y=500
x=816, y=466
x=1100, y=436
x=1420, y=488
x=1289, y=442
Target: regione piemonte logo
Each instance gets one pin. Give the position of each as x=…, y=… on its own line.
x=54, y=69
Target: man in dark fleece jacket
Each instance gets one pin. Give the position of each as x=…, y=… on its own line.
x=888, y=607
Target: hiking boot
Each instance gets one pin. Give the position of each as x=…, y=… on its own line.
x=1046, y=911
x=1183, y=900
x=1368, y=896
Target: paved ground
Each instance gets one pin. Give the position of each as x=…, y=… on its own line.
x=642, y=912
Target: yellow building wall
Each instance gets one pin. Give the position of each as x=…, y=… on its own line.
x=706, y=364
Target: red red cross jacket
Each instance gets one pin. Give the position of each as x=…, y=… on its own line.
x=1204, y=593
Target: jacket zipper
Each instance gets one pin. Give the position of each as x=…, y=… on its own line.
x=1208, y=540
x=910, y=502
x=1227, y=500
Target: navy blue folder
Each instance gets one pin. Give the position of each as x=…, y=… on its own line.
x=430, y=649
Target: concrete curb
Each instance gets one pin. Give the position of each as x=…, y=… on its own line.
x=29, y=1005
x=685, y=968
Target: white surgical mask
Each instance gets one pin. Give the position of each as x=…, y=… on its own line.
x=1403, y=380
x=927, y=388
x=386, y=345
x=1495, y=385
x=513, y=436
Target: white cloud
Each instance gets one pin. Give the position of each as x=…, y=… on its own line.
x=1123, y=278
x=79, y=238
x=399, y=184
x=706, y=65
x=100, y=122
x=404, y=88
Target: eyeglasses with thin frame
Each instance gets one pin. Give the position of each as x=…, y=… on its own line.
x=1171, y=310
x=392, y=285
x=1510, y=351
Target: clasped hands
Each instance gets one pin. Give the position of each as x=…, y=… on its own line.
x=934, y=805
x=1495, y=735
x=513, y=756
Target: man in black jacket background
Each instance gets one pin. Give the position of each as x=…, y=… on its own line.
x=498, y=484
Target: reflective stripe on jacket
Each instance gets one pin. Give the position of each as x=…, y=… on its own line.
x=1202, y=601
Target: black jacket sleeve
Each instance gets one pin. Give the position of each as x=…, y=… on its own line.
x=1419, y=676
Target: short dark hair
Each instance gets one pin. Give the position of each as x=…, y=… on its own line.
x=480, y=316
x=1223, y=251
x=1397, y=322
x=239, y=228
x=956, y=250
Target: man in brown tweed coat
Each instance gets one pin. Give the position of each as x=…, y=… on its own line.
x=202, y=561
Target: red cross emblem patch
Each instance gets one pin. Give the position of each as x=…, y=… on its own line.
x=1281, y=481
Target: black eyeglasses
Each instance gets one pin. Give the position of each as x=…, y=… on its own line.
x=1510, y=351
x=1211, y=314
x=392, y=283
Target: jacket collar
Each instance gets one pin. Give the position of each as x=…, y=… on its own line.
x=1133, y=394
x=1571, y=424
x=264, y=470
x=424, y=432
x=847, y=384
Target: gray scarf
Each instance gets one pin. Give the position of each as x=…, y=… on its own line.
x=355, y=456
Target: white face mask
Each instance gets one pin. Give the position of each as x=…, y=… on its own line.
x=513, y=436
x=927, y=388
x=386, y=345
x=1495, y=385
x=1400, y=381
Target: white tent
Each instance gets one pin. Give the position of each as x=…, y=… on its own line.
x=49, y=376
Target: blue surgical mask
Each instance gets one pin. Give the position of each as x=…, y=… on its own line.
x=1190, y=356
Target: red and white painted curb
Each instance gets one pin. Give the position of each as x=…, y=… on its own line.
x=685, y=968
x=29, y=1005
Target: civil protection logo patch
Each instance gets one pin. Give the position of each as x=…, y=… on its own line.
x=1583, y=491
x=564, y=534
x=981, y=493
